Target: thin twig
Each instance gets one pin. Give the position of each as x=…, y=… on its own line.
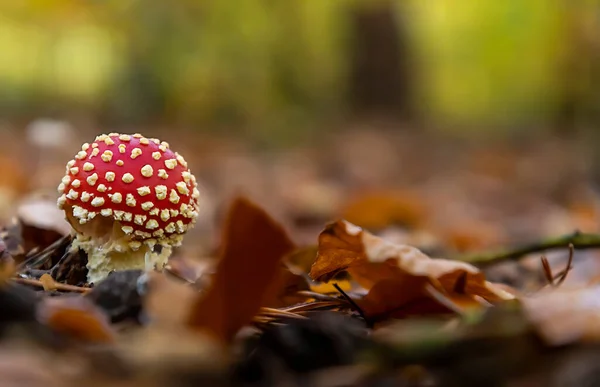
x=58, y=285
x=547, y=270
x=271, y=312
x=567, y=269
x=354, y=305
x=578, y=240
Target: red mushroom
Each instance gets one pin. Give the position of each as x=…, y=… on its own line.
x=130, y=200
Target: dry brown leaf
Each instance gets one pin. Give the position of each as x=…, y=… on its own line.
x=76, y=317
x=398, y=275
x=248, y=275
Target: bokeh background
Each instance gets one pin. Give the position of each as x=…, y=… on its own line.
x=462, y=125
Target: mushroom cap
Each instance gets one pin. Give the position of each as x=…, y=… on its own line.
x=134, y=180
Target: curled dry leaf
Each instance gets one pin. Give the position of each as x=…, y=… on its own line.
x=402, y=280
x=249, y=274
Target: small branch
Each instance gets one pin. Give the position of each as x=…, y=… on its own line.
x=57, y=285
x=577, y=239
x=354, y=305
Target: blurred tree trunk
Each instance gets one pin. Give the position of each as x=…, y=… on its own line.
x=380, y=69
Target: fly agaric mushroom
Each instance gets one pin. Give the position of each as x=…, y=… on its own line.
x=129, y=200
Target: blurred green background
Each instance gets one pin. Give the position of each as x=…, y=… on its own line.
x=283, y=67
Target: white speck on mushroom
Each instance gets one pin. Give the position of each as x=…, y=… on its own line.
x=139, y=219
x=182, y=161
x=137, y=135
x=74, y=170
x=186, y=176
x=173, y=197
x=106, y=212
x=127, y=229
x=81, y=155
x=170, y=228
x=95, y=152
x=70, y=163
x=125, y=137
x=130, y=200
x=164, y=215
x=162, y=148
x=61, y=188
x=85, y=196
x=150, y=243
x=144, y=141
x=109, y=141
x=135, y=152
x=98, y=202
x=119, y=214
x=76, y=183
x=122, y=148
x=170, y=163
x=152, y=224
x=88, y=167
x=182, y=188
x=107, y=156
x=155, y=140
x=101, y=188
x=92, y=179
x=85, y=146
x=143, y=191
x=143, y=234
x=116, y=197
x=61, y=201
x=161, y=192
x=120, y=163
x=79, y=212
x=174, y=213
x=94, y=145
x=127, y=178
x=158, y=233
x=128, y=216
x=109, y=176
x=163, y=174
x=66, y=179
x=195, y=193
x=134, y=245
x=156, y=155
x=73, y=194
x=147, y=206
x=154, y=211
x=147, y=170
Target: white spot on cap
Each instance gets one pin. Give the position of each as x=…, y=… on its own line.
x=70, y=163
x=182, y=188
x=75, y=183
x=154, y=211
x=66, y=179
x=81, y=155
x=116, y=198
x=147, y=206
x=195, y=193
x=170, y=163
x=186, y=175
x=119, y=214
x=158, y=233
x=134, y=245
x=128, y=216
x=106, y=212
x=98, y=202
x=73, y=194
x=85, y=196
x=170, y=228
x=143, y=191
x=139, y=219
x=125, y=137
x=164, y=215
x=106, y=156
x=101, y=188
x=74, y=170
x=88, y=167
x=135, y=152
x=144, y=141
x=95, y=152
x=61, y=188
x=109, y=176
x=147, y=170
x=61, y=201
x=173, y=197
x=85, y=146
x=127, y=178
x=182, y=161
x=130, y=200
x=127, y=229
x=109, y=141
x=92, y=179
x=122, y=148
x=120, y=163
x=161, y=192
x=79, y=212
x=152, y=224
x=163, y=174
x=156, y=155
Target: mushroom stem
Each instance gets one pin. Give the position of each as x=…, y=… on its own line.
x=114, y=256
